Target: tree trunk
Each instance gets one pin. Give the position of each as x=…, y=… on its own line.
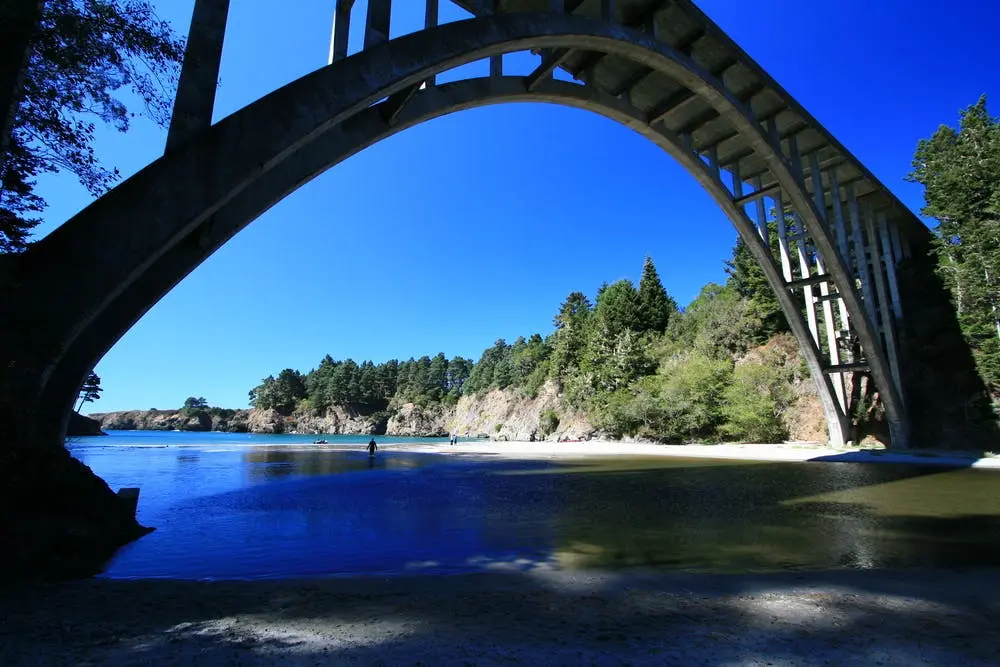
x=18, y=23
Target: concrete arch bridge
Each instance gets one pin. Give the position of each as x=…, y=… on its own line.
x=849, y=263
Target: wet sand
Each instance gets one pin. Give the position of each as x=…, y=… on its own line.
x=534, y=618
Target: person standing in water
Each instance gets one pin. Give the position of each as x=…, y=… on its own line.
x=372, y=447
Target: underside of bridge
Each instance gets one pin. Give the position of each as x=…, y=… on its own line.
x=847, y=261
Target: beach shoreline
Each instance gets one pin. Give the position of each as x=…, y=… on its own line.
x=784, y=452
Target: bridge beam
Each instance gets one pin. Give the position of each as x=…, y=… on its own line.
x=341, y=30
x=377, y=22
x=199, y=78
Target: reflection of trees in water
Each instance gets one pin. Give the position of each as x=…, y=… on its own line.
x=617, y=513
x=728, y=518
x=283, y=462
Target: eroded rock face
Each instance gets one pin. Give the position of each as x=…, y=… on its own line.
x=173, y=420
x=58, y=519
x=510, y=415
x=413, y=421
x=341, y=420
x=265, y=421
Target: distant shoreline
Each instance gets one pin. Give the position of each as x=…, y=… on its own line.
x=793, y=452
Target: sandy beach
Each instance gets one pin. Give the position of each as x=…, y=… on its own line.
x=545, y=617
x=790, y=452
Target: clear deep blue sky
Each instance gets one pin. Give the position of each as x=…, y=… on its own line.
x=475, y=226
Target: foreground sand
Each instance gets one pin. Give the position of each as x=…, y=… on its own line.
x=532, y=618
x=748, y=452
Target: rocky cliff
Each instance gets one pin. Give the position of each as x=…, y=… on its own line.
x=336, y=420
x=503, y=415
x=510, y=415
x=234, y=421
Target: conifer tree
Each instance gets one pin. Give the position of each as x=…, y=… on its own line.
x=655, y=305
x=960, y=172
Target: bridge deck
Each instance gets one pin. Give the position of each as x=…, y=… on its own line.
x=686, y=28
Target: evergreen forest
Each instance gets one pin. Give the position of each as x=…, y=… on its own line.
x=629, y=358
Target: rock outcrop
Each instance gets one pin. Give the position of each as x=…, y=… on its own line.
x=234, y=421
x=80, y=425
x=510, y=415
x=265, y=421
x=342, y=420
x=415, y=421
x=58, y=520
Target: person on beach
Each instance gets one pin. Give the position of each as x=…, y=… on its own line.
x=372, y=447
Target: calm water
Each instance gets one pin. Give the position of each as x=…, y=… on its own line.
x=255, y=506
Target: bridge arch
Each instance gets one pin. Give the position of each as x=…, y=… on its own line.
x=195, y=198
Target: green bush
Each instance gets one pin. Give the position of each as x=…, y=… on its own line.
x=548, y=421
x=690, y=394
x=755, y=401
x=614, y=414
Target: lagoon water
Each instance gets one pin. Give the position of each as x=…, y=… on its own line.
x=238, y=506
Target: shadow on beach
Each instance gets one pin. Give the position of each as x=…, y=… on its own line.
x=910, y=617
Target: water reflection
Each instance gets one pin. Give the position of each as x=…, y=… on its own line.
x=271, y=462
x=287, y=511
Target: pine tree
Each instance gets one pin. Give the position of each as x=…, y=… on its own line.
x=91, y=390
x=570, y=338
x=619, y=307
x=748, y=279
x=655, y=305
x=960, y=172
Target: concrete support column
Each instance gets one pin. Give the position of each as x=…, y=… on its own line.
x=782, y=225
x=195, y=99
x=490, y=8
x=341, y=30
x=861, y=269
x=430, y=21
x=885, y=305
x=377, y=22
x=18, y=22
x=761, y=215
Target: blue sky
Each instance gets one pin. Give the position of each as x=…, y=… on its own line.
x=475, y=226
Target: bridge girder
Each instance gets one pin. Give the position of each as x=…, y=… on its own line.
x=209, y=188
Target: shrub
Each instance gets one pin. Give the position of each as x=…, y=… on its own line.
x=548, y=421
x=755, y=401
x=690, y=392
